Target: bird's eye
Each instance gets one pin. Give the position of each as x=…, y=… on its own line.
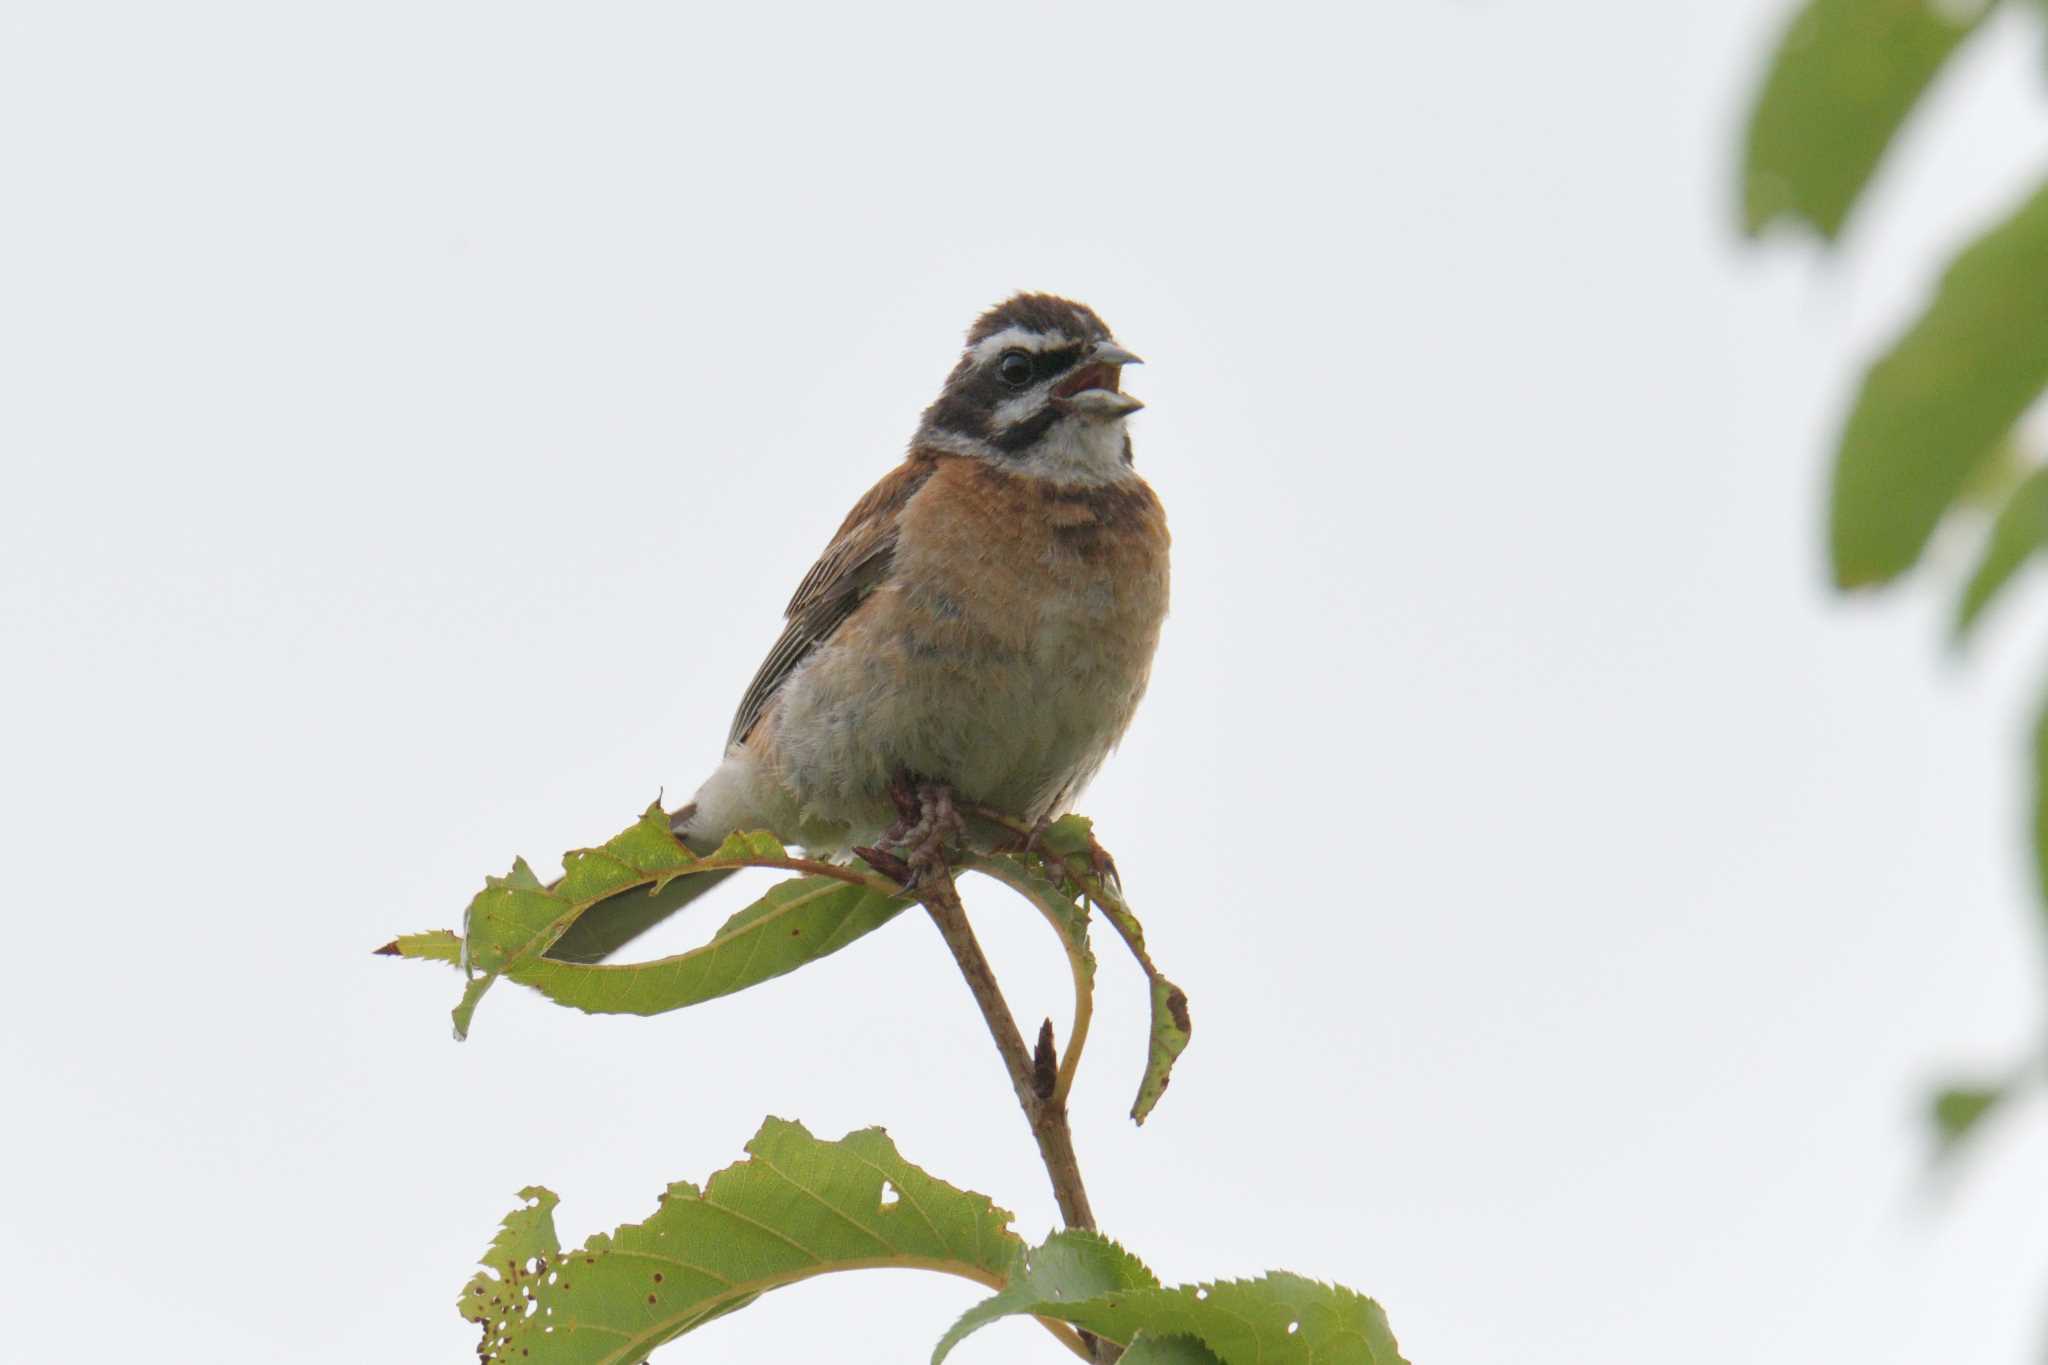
x=1014, y=369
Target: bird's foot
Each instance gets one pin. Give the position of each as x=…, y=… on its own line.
x=938, y=824
x=927, y=820
x=902, y=795
x=1104, y=865
x=1026, y=844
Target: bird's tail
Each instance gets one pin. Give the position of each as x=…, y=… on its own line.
x=611, y=924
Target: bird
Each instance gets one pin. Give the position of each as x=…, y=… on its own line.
x=978, y=633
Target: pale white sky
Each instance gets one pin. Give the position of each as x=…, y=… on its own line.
x=416, y=415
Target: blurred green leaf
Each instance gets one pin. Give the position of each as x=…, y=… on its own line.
x=797, y=1207
x=1940, y=401
x=1279, y=1319
x=1957, y=1110
x=2019, y=532
x=1841, y=82
x=2041, y=812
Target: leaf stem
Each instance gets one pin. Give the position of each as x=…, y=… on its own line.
x=1079, y=963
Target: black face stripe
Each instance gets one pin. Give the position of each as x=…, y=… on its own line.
x=1025, y=434
x=1046, y=364
x=967, y=407
x=959, y=414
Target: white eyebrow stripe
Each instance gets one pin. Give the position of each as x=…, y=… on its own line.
x=1018, y=338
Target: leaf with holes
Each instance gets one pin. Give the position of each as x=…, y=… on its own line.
x=1844, y=78
x=2017, y=535
x=796, y=1208
x=1935, y=406
x=1088, y=1281
x=515, y=919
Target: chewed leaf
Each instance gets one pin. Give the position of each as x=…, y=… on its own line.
x=1278, y=1319
x=523, y=1249
x=746, y=848
x=1842, y=81
x=795, y=923
x=797, y=1207
x=512, y=924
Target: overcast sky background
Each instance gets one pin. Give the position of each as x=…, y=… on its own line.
x=415, y=417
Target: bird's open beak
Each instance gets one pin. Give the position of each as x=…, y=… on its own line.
x=1092, y=389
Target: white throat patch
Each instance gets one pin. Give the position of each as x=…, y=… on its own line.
x=1078, y=450
x=1075, y=450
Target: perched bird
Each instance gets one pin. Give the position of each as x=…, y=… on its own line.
x=980, y=629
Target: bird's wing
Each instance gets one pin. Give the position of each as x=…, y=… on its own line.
x=851, y=567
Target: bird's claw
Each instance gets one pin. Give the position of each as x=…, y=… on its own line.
x=926, y=821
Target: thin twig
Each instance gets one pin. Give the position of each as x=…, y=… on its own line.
x=1046, y=1113
x=1047, y=1117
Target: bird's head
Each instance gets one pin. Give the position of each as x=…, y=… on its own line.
x=1038, y=390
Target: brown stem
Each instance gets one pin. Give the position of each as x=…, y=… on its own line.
x=1045, y=1111
x=1047, y=1117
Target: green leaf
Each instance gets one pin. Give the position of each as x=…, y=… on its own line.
x=1843, y=79
x=1957, y=1110
x=514, y=920
x=1146, y=1349
x=1165, y=1042
x=1935, y=406
x=523, y=1250
x=1069, y=845
x=1071, y=1266
x=795, y=923
x=2020, y=531
x=797, y=1207
x=1087, y=1280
